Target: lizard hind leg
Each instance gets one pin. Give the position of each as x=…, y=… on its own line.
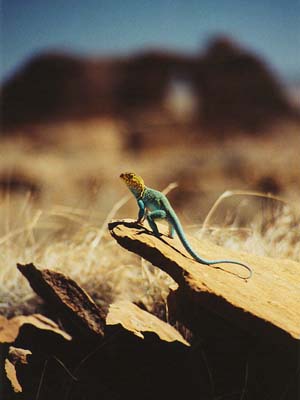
x=152, y=216
x=171, y=231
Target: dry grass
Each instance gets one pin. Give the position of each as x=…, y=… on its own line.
x=77, y=169
x=273, y=232
x=65, y=240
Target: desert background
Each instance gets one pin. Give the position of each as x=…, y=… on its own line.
x=216, y=124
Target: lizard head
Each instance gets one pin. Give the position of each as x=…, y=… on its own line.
x=134, y=183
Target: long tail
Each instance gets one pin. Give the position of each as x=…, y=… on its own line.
x=189, y=249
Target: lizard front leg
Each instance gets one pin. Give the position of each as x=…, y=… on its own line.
x=171, y=230
x=142, y=212
x=152, y=216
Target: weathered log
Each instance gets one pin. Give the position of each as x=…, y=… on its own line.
x=68, y=299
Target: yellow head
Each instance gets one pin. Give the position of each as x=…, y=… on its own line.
x=134, y=183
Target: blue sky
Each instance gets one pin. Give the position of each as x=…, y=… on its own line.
x=271, y=28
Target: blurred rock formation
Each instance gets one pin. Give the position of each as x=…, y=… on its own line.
x=231, y=87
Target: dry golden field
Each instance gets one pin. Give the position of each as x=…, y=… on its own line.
x=60, y=186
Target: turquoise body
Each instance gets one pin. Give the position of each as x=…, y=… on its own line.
x=154, y=205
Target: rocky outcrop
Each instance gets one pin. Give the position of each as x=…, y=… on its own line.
x=233, y=89
x=68, y=299
x=266, y=304
x=241, y=335
x=121, y=355
x=247, y=331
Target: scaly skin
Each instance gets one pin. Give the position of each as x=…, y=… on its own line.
x=155, y=205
